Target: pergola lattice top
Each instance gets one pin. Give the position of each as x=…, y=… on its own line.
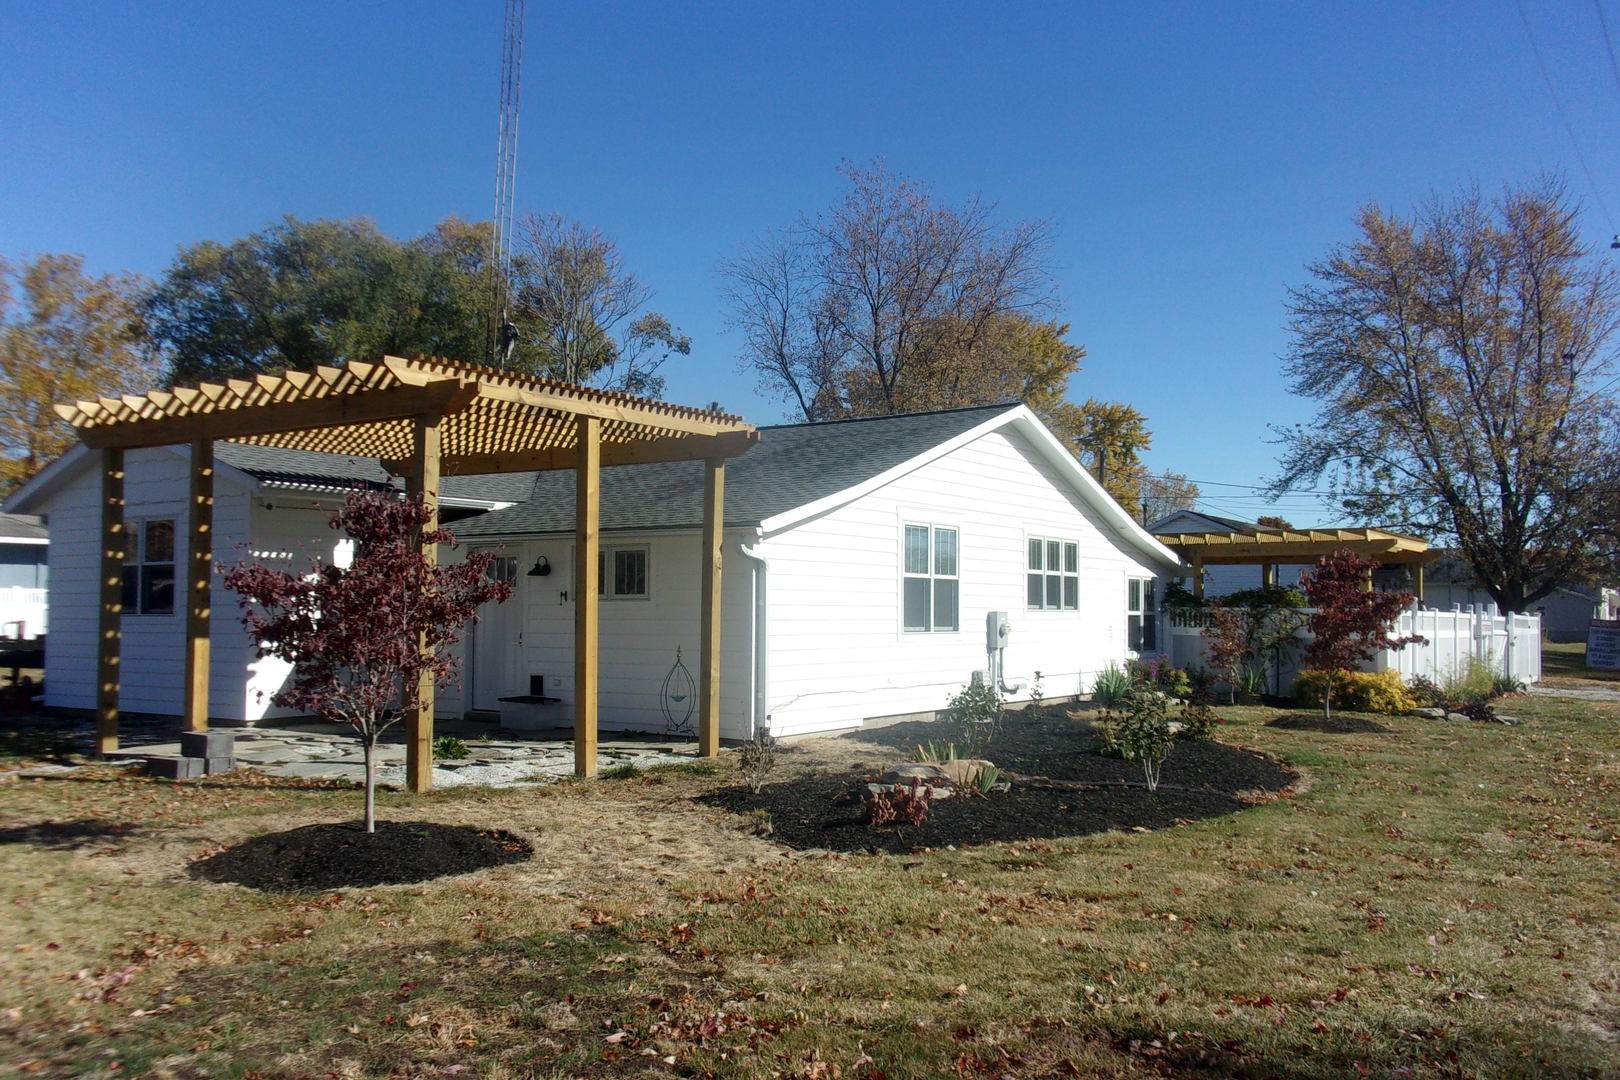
x=1255, y=546
x=491, y=421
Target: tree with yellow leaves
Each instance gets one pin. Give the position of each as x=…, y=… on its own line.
x=63, y=336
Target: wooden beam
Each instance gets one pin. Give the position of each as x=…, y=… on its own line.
x=620, y=412
x=714, y=525
x=114, y=539
x=1417, y=582
x=343, y=409
x=423, y=480
x=1198, y=574
x=587, y=538
x=1268, y=574
x=677, y=448
x=199, y=583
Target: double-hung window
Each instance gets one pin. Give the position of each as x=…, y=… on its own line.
x=621, y=573
x=149, y=567
x=1141, y=615
x=929, y=579
x=1053, y=578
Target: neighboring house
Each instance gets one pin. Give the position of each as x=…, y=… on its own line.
x=862, y=558
x=24, y=543
x=1223, y=580
x=1565, y=613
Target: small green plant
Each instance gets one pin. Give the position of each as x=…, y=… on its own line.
x=626, y=771
x=936, y=752
x=1251, y=679
x=983, y=781
x=1142, y=734
x=1110, y=686
x=450, y=748
x=1502, y=685
x=1036, y=694
x=1198, y=722
x=972, y=714
x=756, y=758
x=1474, y=681
x=1161, y=675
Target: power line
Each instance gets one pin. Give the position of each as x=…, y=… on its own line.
x=1558, y=104
x=1608, y=43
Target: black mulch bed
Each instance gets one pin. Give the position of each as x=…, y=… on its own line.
x=337, y=856
x=1331, y=725
x=1082, y=793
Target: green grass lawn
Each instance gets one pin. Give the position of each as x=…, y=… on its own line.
x=1439, y=901
x=1567, y=660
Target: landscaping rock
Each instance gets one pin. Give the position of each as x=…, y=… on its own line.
x=963, y=770
x=907, y=771
x=1457, y=717
x=1432, y=714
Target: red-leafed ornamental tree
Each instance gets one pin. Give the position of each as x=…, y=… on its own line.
x=1351, y=624
x=364, y=638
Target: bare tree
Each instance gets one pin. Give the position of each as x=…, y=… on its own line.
x=583, y=310
x=1163, y=495
x=844, y=313
x=1463, y=360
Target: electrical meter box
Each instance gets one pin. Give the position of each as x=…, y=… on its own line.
x=997, y=629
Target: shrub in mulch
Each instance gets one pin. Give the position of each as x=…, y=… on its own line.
x=1331, y=725
x=1067, y=788
x=337, y=856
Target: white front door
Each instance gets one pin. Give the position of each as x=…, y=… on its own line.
x=498, y=642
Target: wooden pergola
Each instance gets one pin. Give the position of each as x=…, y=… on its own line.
x=423, y=418
x=1268, y=547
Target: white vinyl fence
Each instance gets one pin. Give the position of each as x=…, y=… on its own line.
x=1510, y=644
x=22, y=612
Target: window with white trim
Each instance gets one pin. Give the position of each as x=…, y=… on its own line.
x=149, y=567
x=1053, y=578
x=1141, y=615
x=929, y=582
x=621, y=572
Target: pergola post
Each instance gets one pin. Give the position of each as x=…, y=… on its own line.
x=1268, y=574
x=1198, y=574
x=110, y=636
x=1366, y=580
x=587, y=545
x=423, y=481
x=714, y=503
x=1417, y=582
x=199, y=583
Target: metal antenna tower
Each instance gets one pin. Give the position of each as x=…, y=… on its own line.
x=503, y=335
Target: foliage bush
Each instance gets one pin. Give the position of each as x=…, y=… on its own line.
x=1482, y=711
x=1362, y=691
x=1141, y=733
x=1110, y=686
x=450, y=748
x=1269, y=597
x=1426, y=692
x=1178, y=596
x=972, y=714
x=1161, y=675
x=756, y=758
x=1198, y=722
x=1474, y=681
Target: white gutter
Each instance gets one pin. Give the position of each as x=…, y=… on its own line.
x=761, y=717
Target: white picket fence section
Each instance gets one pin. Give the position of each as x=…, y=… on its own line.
x=22, y=612
x=1510, y=644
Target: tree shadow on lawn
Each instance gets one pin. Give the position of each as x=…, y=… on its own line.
x=68, y=835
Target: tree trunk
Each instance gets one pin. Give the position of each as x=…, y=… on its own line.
x=1327, y=698
x=371, y=785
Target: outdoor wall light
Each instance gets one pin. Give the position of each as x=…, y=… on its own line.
x=541, y=567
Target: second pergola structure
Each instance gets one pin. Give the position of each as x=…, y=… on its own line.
x=422, y=419
x=1266, y=548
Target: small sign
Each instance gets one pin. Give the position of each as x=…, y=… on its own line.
x=1603, y=644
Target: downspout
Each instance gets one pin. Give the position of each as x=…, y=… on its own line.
x=761, y=717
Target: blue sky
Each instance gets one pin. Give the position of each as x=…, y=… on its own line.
x=1192, y=156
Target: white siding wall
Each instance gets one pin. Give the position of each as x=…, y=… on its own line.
x=837, y=653
x=153, y=665
x=638, y=637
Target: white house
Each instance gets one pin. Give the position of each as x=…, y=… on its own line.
x=23, y=546
x=862, y=559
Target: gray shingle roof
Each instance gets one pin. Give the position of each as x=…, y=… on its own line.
x=22, y=527
x=792, y=465
x=1171, y=525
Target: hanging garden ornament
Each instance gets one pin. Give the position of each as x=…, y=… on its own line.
x=678, y=700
